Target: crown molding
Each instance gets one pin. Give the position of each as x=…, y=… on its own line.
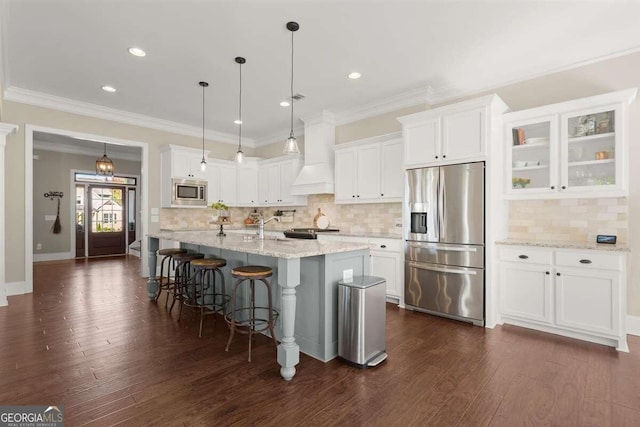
x=451, y=94
x=53, y=102
x=386, y=105
x=324, y=116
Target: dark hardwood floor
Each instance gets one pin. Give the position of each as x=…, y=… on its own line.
x=89, y=338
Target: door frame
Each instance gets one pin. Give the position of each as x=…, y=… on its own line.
x=29, y=129
x=72, y=219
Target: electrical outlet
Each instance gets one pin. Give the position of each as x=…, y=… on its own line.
x=398, y=222
x=38, y=246
x=347, y=275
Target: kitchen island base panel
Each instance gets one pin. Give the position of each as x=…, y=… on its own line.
x=307, y=274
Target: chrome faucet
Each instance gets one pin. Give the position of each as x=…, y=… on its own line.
x=261, y=224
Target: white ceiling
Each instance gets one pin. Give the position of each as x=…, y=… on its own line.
x=65, y=50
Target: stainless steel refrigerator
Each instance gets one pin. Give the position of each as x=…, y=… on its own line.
x=444, y=241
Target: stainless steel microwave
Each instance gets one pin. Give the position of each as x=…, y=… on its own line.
x=188, y=192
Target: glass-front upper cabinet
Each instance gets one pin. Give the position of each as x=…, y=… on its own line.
x=572, y=149
x=530, y=157
x=590, y=141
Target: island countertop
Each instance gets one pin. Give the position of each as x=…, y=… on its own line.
x=274, y=247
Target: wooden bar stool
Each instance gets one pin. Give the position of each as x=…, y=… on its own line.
x=251, y=319
x=182, y=277
x=205, y=281
x=165, y=283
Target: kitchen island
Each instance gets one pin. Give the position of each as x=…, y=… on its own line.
x=307, y=272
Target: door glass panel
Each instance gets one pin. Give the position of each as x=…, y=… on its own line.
x=131, y=214
x=106, y=210
x=591, y=149
x=530, y=156
x=80, y=220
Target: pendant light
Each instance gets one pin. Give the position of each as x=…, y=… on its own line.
x=291, y=146
x=239, y=157
x=104, y=165
x=203, y=162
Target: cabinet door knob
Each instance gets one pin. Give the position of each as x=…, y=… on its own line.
x=444, y=156
x=523, y=256
x=382, y=194
x=383, y=246
x=585, y=261
x=547, y=273
x=353, y=195
x=557, y=274
x=553, y=187
x=436, y=157
x=564, y=187
x=358, y=195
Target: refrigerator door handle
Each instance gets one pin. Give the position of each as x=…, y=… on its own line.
x=441, y=204
x=444, y=248
x=441, y=269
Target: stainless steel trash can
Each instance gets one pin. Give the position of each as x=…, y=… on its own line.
x=361, y=321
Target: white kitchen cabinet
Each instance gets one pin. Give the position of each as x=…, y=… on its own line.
x=576, y=293
x=223, y=182
x=386, y=260
x=526, y=291
x=369, y=170
x=181, y=163
x=275, y=177
x=188, y=165
x=450, y=134
x=247, y=194
x=572, y=149
x=392, y=174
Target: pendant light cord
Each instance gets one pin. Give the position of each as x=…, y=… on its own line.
x=203, y=87
x=291, y=136
x=240, y=113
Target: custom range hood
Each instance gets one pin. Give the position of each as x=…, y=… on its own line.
x=316, y=176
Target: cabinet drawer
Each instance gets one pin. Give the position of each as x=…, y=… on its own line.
x=526, y=255
x=589, y=260
x=388, y=245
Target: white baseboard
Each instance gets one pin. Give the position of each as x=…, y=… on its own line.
x=16, y=288
x=3, y=299
x=55, y=256
x=633, y=325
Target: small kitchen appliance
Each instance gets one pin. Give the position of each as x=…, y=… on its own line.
x=188, y=192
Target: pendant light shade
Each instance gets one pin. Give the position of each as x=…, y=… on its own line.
x=104, y=165
x=239, y=157
x=203, y=162
x=291, y=146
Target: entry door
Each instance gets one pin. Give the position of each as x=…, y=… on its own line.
x=106, y=229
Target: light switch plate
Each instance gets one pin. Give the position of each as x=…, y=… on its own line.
x=49, y=217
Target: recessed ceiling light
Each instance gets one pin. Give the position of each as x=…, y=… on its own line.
x=355, y=75
x=136, y=51
x=238, y=122
x=284, y=104
x=108, y=88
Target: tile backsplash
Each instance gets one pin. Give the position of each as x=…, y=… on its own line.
x=361, y=218
x=569, y=219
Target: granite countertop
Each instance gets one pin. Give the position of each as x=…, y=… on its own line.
x=566, y=245
x=275, y=247
x=236, y=228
